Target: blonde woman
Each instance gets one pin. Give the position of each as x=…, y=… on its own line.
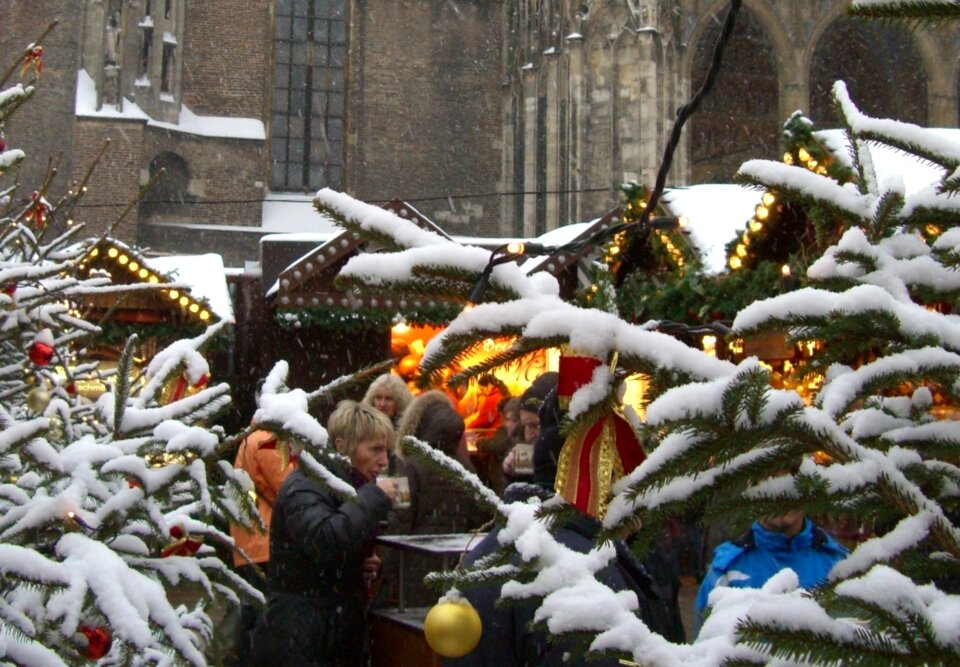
x=321, y=550
x=389, y=394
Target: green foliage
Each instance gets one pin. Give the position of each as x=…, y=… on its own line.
x=697, y=297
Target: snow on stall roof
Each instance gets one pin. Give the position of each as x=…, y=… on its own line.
x=291, y=212
x=190, y=123
x=205, y=276
x=715, y=213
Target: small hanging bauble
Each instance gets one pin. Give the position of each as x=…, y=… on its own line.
x=452, y=628
x=3, y=143
x=183, y=544
x=41, y=349
x=56, y=431
x=40, y=353
x=38, y=400
x=98, y=641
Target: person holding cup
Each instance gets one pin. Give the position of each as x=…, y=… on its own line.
x=437, y=504
x=322, y=560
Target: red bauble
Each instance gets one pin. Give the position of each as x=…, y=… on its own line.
x=71, y=389
x=176, y=532
x=98, y=642
x=3, y=143
x=40, y=353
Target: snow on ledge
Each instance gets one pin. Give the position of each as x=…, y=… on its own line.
x=190, y=123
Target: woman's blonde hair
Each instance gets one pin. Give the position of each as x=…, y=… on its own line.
x=396, y=386
x=356, y=423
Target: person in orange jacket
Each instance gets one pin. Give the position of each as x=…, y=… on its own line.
x=259, y=456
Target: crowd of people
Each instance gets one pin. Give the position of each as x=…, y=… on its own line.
x=315, y=557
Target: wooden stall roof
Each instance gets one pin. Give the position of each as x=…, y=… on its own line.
x=309, y=281
x=126, y=266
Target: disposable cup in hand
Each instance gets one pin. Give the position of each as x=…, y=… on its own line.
x=523, y=459
x=403, y=491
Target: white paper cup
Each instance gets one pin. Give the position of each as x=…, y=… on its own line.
x=523, y=459
x=403, y=491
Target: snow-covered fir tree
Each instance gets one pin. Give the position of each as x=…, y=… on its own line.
x=877, y=439
x=110, y=510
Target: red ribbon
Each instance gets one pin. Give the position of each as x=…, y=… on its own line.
x=33, y=57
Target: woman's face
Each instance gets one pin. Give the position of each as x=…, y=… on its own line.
x=511, y=420
x=384, y=401
x=370, y=457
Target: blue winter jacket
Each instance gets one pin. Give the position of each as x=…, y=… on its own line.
x=750, y=561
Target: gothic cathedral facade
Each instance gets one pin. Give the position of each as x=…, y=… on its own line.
x=493, y=117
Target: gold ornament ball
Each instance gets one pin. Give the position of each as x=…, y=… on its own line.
x=38, y=400
x=452, y=629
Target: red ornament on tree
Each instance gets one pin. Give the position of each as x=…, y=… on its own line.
x=40, y=353
x=41, y=349
x=38, y=210
x=98, y=642
x=184, y=545
x=34, y=57
x=3, y=143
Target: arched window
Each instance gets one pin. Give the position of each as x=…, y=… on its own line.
x=739, y=119
x=307, y=125
x=880, y=65
x=170, y=190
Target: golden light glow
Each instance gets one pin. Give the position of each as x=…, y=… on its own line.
x=400, y=328
x=184, y=301
x=735, y=263
x=768, y=199
x=785, y=270
x=762, y=213
x=113, y=252
x=143, y=273
x=787, y=158
x=803, y=154
x=95, y=252
x=133, y=266
x=154, y=279
x=204, y=316
x=194, y=308
x=515, y=248
x=709, y=344
x=741, y=250
x=756, y=226
x=174, y=294
x=123, y=259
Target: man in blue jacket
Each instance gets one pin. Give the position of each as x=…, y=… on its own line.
x=772, y=544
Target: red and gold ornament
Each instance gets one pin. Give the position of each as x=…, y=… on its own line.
x=183, y=544
x=38, y=211
x=33, y=57
x=595, y=454
x=180, y=387
x=98, y=640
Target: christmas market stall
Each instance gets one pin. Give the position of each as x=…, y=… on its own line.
x=180, y=296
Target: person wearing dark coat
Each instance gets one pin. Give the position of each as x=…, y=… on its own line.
x=508, y=639
x=321, y=550
x=438, y=504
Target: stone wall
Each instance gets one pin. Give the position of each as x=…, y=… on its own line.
x=424, y=109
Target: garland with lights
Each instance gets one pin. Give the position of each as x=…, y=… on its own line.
x=785, y=232
x=358, y=319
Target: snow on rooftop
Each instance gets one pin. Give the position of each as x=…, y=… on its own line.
x=204, y=274
x=190, y=123
x=715, y=213
x=285, y=212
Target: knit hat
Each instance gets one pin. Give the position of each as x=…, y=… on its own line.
x=536, y=393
